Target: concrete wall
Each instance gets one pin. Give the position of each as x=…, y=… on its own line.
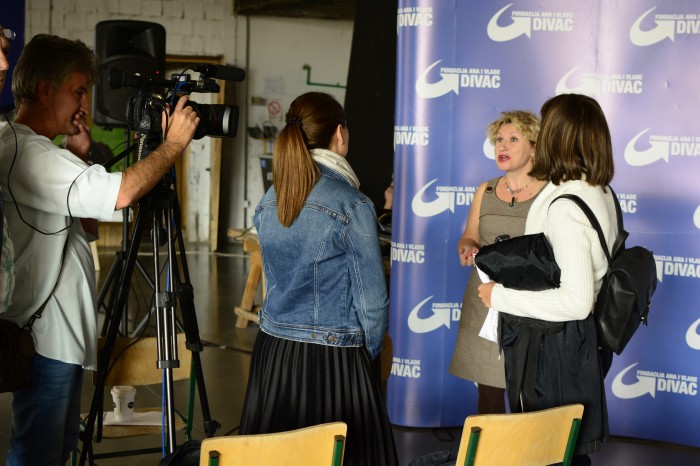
x=271, y=50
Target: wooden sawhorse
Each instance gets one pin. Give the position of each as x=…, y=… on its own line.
x=248, y=310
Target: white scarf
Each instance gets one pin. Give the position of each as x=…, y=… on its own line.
x=337, y=163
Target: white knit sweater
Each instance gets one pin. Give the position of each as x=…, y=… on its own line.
x=576, y=249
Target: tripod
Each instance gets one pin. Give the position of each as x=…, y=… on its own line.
x=117, y=267
x=162, y=206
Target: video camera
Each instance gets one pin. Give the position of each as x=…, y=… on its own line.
x=144, y=110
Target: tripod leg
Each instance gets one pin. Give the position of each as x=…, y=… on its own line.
x=110, y=282
x=167, y=335
x=112, y=330
x=144, y=321
x=115, y=271
x=185, y=293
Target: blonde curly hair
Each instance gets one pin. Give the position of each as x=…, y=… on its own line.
x=525, y=122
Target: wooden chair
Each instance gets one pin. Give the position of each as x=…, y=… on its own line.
x=523, y=439
x=321, y=445
x=134, y=363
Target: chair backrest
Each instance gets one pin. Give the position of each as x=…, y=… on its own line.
x=535, y=438
x=321, y=445
x=134, y=361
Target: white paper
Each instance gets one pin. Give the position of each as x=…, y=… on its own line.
x=482, y=275
x=489, y=330
x=148, y=418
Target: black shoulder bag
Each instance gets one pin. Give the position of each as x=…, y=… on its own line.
x=16, y=354
x=17, y=350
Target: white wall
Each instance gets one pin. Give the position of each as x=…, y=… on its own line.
x=271, y=50
x=278, y=49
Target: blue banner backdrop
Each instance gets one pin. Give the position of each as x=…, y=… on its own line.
x=460, y=63
x=13, y=12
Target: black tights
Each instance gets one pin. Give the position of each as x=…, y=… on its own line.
x=491, y=400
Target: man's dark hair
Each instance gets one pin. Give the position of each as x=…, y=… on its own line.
x=50, y=58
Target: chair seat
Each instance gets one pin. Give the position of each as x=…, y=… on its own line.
x=122, y=431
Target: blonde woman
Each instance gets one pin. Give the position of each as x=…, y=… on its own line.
x=500, y=207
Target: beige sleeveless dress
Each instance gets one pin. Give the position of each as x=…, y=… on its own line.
x=476, y=358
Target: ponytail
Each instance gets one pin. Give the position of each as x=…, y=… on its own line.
x=311, y=122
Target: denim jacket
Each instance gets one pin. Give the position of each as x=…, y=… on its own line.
x=324, y=274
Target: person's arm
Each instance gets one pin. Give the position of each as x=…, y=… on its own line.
x=367, y=279
x=470, y=241
x=572, y=239
x=79, y=144
x=389, y=197
x=140, y=178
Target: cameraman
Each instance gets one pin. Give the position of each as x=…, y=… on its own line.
x=46, y=188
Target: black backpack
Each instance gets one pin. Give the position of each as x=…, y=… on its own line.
x=625, y=295
x=186, y=454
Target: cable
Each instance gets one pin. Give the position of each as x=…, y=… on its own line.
x=232, y=430
x=14, y=200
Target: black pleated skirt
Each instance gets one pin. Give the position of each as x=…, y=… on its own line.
x=294, y=384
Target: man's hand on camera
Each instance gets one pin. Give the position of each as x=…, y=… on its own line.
x=181, y=125
x=140, y=177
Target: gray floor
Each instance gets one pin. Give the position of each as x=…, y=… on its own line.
x=218, y=281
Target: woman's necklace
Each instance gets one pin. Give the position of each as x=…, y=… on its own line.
x=516, y=191
x=513, y=192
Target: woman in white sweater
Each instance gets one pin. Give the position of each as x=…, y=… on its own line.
x=549, y=337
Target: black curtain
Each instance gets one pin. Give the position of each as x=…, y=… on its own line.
x=370, y=95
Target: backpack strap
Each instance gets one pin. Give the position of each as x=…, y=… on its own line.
x=622, y=234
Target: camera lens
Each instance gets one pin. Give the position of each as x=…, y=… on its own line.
x=215, y=120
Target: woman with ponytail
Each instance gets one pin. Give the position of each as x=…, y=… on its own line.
x=326, y=306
